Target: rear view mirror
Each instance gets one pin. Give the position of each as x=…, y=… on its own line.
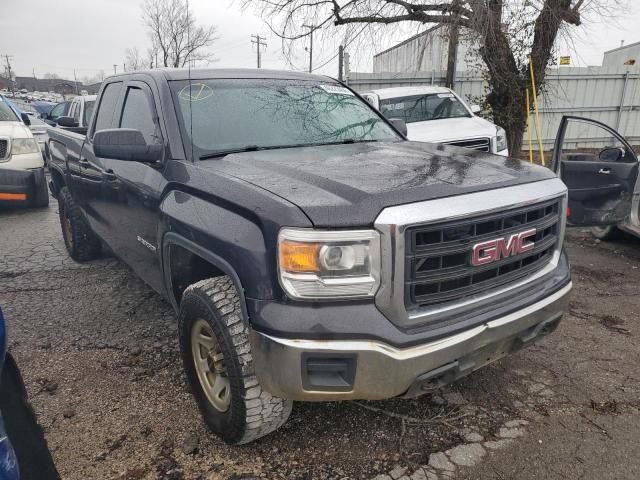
x=611, y=154
x=25, y=119
x=125, y=144
x=476, y=109
x=400, y=125
x=66, y=122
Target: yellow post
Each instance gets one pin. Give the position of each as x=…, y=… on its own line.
x=529, y=126
x=535, y=107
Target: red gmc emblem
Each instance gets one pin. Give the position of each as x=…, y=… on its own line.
x=499, y=248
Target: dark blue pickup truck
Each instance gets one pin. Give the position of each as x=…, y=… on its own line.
x=310, y=251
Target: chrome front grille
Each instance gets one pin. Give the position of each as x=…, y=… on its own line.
x=438, y=257
x=430, y=242
x=482, y=144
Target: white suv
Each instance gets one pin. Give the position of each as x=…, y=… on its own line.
x=22, y=178
x=438, y=115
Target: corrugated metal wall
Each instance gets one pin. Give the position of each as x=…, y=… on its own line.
x=424, y=52
x=612, y=97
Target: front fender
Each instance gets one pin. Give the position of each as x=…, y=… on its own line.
x=235, y=240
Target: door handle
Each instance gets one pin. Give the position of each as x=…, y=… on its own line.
x=109, y=175
x=604, y=171
x=84, y=163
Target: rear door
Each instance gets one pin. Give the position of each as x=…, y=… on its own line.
x=92, y=170
x=131, y=191
x=600, y=170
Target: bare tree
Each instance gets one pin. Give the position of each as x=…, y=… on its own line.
x=134, y=60
x=174, y=34
x=508, y=33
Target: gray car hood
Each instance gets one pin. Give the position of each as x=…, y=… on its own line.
x=348, y=185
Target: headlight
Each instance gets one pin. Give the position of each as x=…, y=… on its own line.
x=501, y=139
x=316, y=264
x=24, y=145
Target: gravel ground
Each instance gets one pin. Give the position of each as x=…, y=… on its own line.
x=99, y=353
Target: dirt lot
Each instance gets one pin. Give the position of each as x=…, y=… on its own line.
x=99, y=354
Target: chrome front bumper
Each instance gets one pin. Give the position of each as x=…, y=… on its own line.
x=383, y=371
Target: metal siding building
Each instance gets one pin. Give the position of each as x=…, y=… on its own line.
x=622, y=57
x=424, y=52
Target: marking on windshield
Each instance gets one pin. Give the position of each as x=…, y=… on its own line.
x=195, y=92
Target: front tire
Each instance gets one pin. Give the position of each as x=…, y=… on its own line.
x=216, y=354
x=81, y=243
x=41, y=199
x=606, y=233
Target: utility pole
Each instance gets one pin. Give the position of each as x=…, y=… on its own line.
x=340, y=61
x=259, y=41
x=347, y=67
x=452, y=56
x=311, y=29
x=8, y=65
x=115, y=68
x=75, y=80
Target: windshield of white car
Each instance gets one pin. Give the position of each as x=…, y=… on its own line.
x=257, y=114
x=6, y=114
x=421, y=108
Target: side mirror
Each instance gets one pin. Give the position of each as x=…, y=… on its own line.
x=25, y=119
x=475, y=109
x=125, y=144
x=400, y=125
x=611, y=154
x=66, y=122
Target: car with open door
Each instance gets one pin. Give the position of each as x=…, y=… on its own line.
x=600, y=169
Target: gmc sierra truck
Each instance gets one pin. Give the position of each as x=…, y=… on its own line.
x=311, y=252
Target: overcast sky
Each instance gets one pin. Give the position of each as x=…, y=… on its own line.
x=92, y=35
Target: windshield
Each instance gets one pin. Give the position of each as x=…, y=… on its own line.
x=88, y=111
x=6, y=114
x=238, y=114
x=420, y=108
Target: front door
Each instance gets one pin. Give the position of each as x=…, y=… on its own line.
x=600, y=170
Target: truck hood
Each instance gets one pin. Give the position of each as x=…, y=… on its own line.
x=450, y=129
x=348, y=185
x=14, y=130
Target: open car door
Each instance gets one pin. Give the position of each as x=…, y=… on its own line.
x=599, y=168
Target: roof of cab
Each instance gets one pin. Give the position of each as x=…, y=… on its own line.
x=225, y=73
x=408, y=91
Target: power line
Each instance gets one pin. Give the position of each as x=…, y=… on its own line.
x=259, y=41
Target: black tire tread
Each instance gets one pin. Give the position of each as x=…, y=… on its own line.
x=86, y=245
x=261, y=412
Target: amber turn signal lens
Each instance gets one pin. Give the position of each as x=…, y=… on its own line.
x=297, y=257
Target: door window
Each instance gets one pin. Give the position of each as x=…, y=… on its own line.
x=58, y=110
x=586, y=141
x=137, y=113
x=107, y=108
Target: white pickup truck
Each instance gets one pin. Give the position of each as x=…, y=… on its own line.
x=438, y=115
x=80, y=112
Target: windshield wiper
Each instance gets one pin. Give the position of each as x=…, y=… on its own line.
x=256, y=148
x=223, y=153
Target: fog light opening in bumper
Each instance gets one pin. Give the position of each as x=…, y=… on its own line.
x=328, y=372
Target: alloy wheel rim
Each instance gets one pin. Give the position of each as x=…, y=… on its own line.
x=208, y=361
